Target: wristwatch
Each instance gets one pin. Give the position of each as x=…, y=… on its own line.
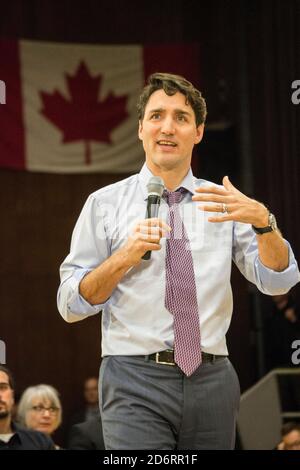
x=270, y=228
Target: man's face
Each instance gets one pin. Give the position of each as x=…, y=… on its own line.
x=168, y=132
x=6, y=396
x=91, y=391
x=292, y=440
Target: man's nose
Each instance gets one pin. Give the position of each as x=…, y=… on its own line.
x=167, y=126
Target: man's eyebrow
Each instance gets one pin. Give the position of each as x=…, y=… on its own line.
x=181, y=111
x=156, y=110
x=176, y=111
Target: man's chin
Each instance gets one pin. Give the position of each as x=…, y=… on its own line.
x=167, y=163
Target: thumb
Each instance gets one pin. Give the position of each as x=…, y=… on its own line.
x=227, y=184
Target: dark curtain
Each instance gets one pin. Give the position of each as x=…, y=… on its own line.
x=273, y=63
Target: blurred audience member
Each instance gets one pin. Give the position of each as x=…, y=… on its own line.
x=290, y=434
x=87, y=435
x=40, y=409
x=13, y=436
x=90, y=407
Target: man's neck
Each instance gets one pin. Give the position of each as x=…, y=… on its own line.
x=5, y=425
x=171, y=178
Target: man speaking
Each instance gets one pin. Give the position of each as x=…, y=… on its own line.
x=165, y=379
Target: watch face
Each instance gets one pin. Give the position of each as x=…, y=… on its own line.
x=272, y=221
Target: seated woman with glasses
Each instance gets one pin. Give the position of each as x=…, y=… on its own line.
x=40, y=409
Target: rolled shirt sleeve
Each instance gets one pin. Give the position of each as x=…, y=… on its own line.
x=245, y=256
x=277, y=282
x=89, y=248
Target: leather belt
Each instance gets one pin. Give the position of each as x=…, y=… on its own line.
x=167, y=357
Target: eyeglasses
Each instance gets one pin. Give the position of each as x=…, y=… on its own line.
x=53, y=410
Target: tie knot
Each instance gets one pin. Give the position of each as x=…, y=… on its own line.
x=174, y=197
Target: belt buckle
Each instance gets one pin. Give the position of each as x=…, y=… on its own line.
x=158, y=361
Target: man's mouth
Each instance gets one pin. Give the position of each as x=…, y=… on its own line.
x=167, y=143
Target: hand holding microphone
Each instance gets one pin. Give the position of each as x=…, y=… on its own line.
x=155, y=188
x=148, y=232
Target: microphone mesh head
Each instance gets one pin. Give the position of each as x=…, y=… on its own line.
x=155, y=186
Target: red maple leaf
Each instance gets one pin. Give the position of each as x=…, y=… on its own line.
x=84, y=117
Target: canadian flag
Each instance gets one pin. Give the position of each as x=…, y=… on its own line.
x=71, y=108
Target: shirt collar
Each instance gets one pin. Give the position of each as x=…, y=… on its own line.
x=15, y=433
x=145, y=174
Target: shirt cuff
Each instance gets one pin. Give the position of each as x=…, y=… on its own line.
x=278, y=282
x=77, y=304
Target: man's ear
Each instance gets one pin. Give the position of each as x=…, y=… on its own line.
x=140, y=130
x=199, y=133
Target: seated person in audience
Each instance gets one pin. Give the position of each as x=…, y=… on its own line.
x=87, y=435
x=13, y=436
x=40, y=409
x=90, y=408
x=290, y=433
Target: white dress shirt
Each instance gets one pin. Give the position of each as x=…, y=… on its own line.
x=134, y=318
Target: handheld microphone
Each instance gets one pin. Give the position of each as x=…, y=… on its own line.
x=155, y=188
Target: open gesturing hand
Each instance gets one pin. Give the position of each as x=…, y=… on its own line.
x=232, y=204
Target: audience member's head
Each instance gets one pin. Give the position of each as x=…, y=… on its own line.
x=90, y=391
x=286, y=305
x=290, y=434
x=13, y=436
x=6, y=394
x=281, y=300
x=40, y=408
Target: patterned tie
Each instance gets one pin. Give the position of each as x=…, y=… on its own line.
x=181, y=292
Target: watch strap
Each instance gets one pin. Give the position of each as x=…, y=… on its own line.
x=261, y=230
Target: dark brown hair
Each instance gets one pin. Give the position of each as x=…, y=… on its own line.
x=289, y=427
x=171, y=84
x=9, y=375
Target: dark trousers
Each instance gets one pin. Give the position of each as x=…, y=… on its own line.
x=145, y=405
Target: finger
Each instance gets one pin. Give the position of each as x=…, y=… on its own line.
x=155, y=221
x=152, y=223
x=149, y=238
x=150, y=230
x=151, y=247
x=152, y=237
x=227, y=183
x=212, y=190
x=213, y=198
x=222, y=218
x=153, y=231
x=144, y=242
x=214, y=208
x=229, y=186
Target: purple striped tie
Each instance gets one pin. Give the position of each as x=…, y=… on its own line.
x=181, y=292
